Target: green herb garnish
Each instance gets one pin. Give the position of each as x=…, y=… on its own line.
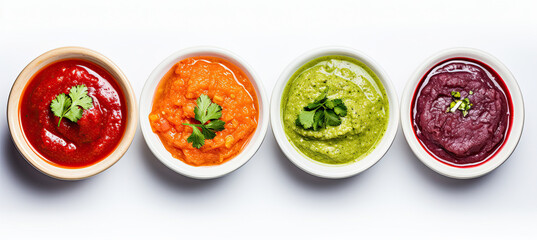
x=456, y=95
x=205, y=111
x=71, y=106
x=322, y=112
x=463, y=105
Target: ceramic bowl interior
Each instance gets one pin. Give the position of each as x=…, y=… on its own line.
x=153, y=141
x=314, y=167
x=14, y=118
x=514, y=133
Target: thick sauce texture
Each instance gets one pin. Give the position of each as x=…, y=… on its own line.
x=362, y=93
x=175, y=100
x=449, y=136
x=94, y=136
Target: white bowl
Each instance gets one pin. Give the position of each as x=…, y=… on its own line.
x=153, y=141
x=513, y=137
x=327, y=170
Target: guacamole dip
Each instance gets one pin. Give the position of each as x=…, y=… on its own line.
x=362, y=93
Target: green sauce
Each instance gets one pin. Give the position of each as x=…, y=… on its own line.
x=367, y=109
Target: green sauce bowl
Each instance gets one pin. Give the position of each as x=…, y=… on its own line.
x=362, y=138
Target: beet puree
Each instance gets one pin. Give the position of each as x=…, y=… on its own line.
x=449, y=136
x=94, y=136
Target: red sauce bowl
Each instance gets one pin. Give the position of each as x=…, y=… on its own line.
x=24, y=135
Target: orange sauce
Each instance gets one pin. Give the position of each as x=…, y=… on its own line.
x=175, y=100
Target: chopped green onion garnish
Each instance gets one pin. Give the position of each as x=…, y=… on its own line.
x=454, y=108
x=456, y=94
x=471, y=92
x=464, y=105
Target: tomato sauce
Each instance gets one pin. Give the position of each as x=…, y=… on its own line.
x=175, y=100
x=94, y=136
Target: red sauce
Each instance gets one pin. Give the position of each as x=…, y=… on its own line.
x=94, y=136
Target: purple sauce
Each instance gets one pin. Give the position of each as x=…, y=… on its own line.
x=450, y=136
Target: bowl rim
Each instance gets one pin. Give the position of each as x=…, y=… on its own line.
x=326, y=170
x=13, y=113
x=154, y=143
x=514, y=133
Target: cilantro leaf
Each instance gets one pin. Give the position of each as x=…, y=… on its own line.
x=313, y=105
x=69, y=106
x=216, y=125
x=60, y=105
x=321, y=113
x=214, y=111
x=331, y=104
x=318, y=120
x=205, y=111
x=207, y=133
x=341, y=109
x=79, y=96
x=196, y=138
x=200, y=110
x=322, y=97
x=74, y=114
x=331, y=118
x=298, y=123
x=306, y=118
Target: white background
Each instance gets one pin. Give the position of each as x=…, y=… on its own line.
x=399, y=197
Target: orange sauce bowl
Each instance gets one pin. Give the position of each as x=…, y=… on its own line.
x=169, y=98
